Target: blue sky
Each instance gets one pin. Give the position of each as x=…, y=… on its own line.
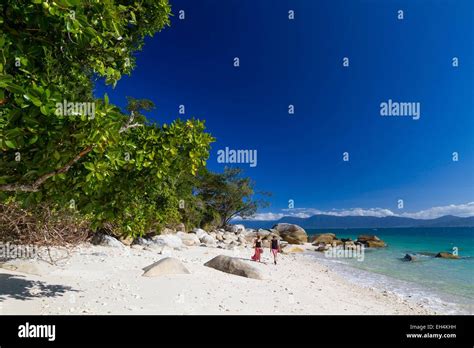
x=337, y=109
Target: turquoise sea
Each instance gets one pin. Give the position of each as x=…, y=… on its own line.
x=445, y=285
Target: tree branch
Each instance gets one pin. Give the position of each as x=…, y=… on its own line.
x=34, y=187
x=129, y=123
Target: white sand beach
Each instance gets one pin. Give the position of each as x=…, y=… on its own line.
x=107, y=280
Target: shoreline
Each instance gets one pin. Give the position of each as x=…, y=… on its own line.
x=441, y=303
x=107, y=280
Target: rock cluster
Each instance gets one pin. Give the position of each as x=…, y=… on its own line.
x=324, y=241
x=232, y=237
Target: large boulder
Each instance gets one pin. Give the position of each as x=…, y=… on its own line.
x=323, y=238
x=188, y=239
x=106, y=240
x=447, y=255
x=234, y=266
x=409, y=257
x=170, y=240
x=291, y=233
x=166, y=266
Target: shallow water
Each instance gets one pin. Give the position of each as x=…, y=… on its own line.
x=445, y=285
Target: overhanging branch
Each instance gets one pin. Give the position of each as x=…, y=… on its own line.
x=35, y=186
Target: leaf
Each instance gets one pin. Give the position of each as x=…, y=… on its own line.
x=33, y=140
x=14, y=88
x=10, y=144
x=44, y=110
x=89, y=166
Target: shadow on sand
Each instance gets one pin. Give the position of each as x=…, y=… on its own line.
x=16, y=287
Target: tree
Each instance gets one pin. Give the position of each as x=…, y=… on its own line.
x=228, y=195
x=113, y=166
x=50, y=51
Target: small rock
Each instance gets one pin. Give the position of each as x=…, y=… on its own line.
x=409, y=257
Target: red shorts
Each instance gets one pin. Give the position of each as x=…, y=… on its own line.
x=274, y=251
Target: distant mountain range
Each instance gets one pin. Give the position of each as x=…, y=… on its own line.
x=330, y=221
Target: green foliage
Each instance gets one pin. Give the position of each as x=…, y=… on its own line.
x=113, y=168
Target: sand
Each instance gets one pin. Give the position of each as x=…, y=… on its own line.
x=106, y=280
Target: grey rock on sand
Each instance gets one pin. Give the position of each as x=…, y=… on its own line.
x=234, y=266
x=166, y=266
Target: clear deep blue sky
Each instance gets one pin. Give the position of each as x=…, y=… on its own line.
x=336, y=109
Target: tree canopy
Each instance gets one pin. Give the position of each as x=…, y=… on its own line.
x=64, y=147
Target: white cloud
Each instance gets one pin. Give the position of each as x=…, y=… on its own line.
x=461, y=210
x=264, y=217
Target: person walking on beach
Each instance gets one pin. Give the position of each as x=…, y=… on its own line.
x=258, y=249
x=275, y=248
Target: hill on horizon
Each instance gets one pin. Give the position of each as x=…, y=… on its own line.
x=322, y=221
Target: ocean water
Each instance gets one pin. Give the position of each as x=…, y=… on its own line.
x=445, y=285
